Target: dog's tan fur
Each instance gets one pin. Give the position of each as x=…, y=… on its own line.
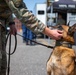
x=62, y=59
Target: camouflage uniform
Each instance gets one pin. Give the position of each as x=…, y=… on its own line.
x=5, y=15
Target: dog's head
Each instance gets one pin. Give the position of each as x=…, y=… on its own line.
x=68, y=32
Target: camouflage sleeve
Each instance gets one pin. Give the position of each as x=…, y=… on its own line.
x=19, y=8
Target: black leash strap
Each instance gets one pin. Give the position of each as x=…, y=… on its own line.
x=9, y=36
x=10, y=53
x=37, y=42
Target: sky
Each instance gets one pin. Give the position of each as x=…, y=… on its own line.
x=31, y=3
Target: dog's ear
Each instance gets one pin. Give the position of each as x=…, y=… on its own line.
x=68, y=23
x=72, y=29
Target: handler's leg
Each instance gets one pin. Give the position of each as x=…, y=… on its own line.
x=3, y=52
x=0, y=49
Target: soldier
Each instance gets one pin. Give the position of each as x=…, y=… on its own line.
x=7, y=7
x=5, y=18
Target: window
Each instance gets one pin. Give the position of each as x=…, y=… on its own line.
x=41, y=12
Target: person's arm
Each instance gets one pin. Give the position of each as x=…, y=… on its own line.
x=25, y=16
x=19, y=8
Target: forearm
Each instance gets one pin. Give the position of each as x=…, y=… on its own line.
x=47, y=32
x=26, y=17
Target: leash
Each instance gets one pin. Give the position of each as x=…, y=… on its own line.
x=48, y=46
x=9, y=52
x=9, y=36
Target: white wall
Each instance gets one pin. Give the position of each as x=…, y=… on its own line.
x=40, y=8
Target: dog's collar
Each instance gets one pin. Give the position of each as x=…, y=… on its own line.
x=66, y=44
x=63, y=43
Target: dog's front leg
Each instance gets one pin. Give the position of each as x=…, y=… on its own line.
x=49, y=68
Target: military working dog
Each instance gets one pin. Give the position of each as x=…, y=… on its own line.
x=62, y=59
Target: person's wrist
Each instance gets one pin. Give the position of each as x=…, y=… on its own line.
x=47, y=31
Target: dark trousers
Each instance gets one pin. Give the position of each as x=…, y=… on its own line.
x=3, y=57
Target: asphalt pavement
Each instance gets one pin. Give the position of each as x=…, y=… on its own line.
x=30, y=60
x=27, y=59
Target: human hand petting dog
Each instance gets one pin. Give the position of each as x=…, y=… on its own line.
x=53, y=33
x=56, y=34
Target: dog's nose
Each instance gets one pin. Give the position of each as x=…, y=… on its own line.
x=75, y=37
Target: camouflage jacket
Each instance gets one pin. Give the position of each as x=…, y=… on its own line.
x=5, y=12
x=19, y=8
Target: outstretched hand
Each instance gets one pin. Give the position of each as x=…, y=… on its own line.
x=56, y=34
x=53, y=33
